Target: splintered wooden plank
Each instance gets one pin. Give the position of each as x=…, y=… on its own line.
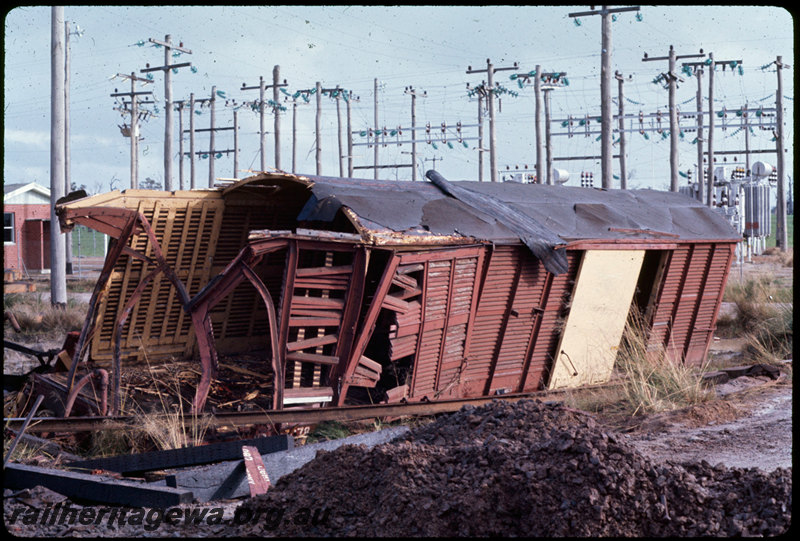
x=360, y=381
x=317, y=282
x=404, y=281
x=370, y=364
x=364, y=378
x=313, y=312
x=95, y=487
x=397, y=393
x=257, y=478
x=407, y=269
x=407, y=293
x=312, y=358
x=316, y=302
x=312, y=342
x=397, y=305
x=324, y=271
x=315, y=321
x=307, y=395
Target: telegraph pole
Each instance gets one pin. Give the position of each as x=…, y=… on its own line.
x=211, y=138
x=480, y=138
x=180, y=105
x=410, y=91
x=377, y=127
x=58, y=276
x=67, y=179
x=623, y=171
x=710, y=179
x=318, y=128
x=490, y=70
x=339, y=132
x=294, y=125
x=212, y=129
x=191, y=142
x=780, y=233
x=537, y=90
x=482, y=93
x=336, y=94
x=605, y=88
x=672, y=79
x=698, y=72
x=700, y=136
x=276, y=72
x=262, y=102
x=551, y=81
x=306, y=98
x=235, y=144
x=548, y=148
x=133, y=130
x=350, y=135
x=167, y=69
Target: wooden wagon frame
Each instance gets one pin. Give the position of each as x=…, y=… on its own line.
x=356, y=289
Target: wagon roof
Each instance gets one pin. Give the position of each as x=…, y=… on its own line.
x=570, y=213
x=388, y=210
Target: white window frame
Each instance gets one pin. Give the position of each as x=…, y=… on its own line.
x=11, y=227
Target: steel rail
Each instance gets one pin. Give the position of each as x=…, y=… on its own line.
x=274, y=417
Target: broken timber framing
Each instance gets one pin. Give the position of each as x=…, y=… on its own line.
x=402, y=291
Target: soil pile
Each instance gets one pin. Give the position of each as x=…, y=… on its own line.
x=519, y=469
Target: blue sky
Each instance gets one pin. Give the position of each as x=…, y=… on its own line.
x=426, y=47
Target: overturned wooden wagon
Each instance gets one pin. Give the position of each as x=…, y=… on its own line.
x=354, y=290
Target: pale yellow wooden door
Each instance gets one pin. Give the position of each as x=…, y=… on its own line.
x=601, y=301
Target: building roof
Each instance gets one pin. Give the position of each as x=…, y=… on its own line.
x=16, y=189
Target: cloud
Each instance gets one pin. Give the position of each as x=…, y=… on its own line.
x=36, y=139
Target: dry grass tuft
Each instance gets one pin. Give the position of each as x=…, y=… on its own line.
x=653, y=381
x=36, y=315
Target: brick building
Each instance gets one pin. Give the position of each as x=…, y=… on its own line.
x=26, y=227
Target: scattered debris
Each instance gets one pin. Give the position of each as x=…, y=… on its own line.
x=22, y=430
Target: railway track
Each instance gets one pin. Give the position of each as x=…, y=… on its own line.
x=272, y=417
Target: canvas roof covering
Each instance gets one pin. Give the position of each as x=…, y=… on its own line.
x=564, y=212
x=541, y=216
x=570, y=213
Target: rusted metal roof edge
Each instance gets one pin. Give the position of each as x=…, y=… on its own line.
x=268, y=176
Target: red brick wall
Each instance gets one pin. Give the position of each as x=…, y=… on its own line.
x=30, y=221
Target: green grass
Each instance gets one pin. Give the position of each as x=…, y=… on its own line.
x=328, y=430
x=789, y=230
x=87, y=242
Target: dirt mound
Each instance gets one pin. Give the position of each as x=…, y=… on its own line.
x=521, y=469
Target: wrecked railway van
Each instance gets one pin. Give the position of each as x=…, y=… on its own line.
x=345, y=291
